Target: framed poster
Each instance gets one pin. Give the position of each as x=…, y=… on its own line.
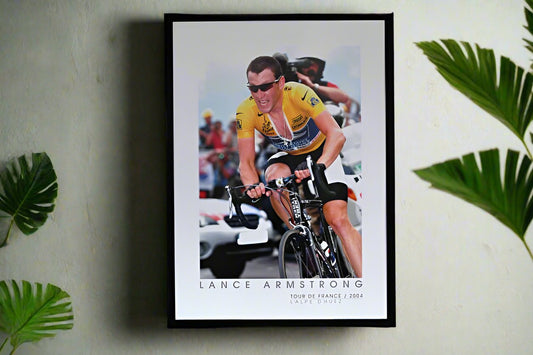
x=222, y=273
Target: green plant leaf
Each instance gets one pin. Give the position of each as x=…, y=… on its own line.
x=507, y=96
x=28, y=192
x=31, y=312
x=509, y=200
x=529, y=26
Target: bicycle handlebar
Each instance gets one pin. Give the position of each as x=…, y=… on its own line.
x=317, y=175
x=237, y=199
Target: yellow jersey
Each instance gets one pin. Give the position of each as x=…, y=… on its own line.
x=300, y=105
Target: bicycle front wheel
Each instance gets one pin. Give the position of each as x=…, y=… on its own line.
x=296, y=258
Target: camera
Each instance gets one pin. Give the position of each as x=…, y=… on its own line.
x=290, y=68
x=293, y=67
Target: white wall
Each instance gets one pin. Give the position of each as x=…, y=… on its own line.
x=83, y=81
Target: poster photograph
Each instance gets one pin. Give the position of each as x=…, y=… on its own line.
x=280, y=170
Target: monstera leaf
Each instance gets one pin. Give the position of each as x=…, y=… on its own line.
x=29, y=313
x=27, y=192
x=506, y=95
x=509, y=200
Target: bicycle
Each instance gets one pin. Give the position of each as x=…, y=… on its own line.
x=303, y=253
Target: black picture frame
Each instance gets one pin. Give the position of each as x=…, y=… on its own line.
x=206, y=56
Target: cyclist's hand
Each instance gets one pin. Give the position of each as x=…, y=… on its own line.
x=257, y=191
x=301, y=171
x=301, y=174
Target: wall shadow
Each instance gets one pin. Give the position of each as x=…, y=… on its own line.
x=145, y=309
x=147, y=250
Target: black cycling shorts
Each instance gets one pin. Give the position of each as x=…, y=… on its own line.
x=292, y=161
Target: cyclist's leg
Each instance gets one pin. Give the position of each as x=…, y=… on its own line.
x=336, y=214
x=280, y=205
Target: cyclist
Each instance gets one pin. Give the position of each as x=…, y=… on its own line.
x=292, y=117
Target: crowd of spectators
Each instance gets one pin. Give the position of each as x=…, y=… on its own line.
x=219, y=161
x=218, y=158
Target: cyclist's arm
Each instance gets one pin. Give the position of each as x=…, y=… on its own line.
x=334, y=138
x=332, y=147
x=247, y=166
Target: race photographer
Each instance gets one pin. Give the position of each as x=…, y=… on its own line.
x=309, y=71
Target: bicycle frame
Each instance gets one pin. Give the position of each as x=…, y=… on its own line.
x=287, y=187
x=301, y=221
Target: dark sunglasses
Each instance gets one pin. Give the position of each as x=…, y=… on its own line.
x=263, y=87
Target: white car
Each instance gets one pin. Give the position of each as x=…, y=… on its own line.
x=351, y=160
x=225, y=245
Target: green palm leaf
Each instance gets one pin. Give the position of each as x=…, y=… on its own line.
x=28, y=192
x=507, y=96
x=29, y=313
x=509, y=200
x=529, y=26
